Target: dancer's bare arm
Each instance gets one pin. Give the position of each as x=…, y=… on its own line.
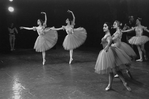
x=73, y=21
x=45, y=21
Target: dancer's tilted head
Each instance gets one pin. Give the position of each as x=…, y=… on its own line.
x=106, y=27
x=39, y=22
x=117, y=24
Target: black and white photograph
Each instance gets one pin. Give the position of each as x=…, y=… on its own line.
x=74, y=49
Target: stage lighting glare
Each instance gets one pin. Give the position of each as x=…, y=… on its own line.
x=11, y=9
x=10, y=0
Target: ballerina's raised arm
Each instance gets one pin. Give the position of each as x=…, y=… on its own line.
x=73, y=21
x=45, y=21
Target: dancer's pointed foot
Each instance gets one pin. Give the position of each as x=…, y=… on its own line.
x=139, y=60
x=129, y=74
x=71, y=59
x=43, y=63
x=108, y=88
x=116, y=76
x=127, y=87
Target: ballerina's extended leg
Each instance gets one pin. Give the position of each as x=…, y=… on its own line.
x=123, y=80
x=110, y=82
x=43, y=56
x=71, y=55
x=140, y=54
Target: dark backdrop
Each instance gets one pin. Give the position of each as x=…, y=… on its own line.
x=90, y=14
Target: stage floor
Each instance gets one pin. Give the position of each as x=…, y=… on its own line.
x=22, y=76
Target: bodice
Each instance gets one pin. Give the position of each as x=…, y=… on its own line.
x=104, y=41
x=139, y=31
x=40, y=30
x=69, y=29
x=117, y=36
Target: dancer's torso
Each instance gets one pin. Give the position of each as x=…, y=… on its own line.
x=104, y=41
x=139, y=30
x=117, y=38
x=69, y=29
x=11, y=31
x=40, y=30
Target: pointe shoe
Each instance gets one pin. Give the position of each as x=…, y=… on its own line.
x=70, y=61
x=116, y=76
x=139, y=60
x=127, y=87
x=43, y=63
x=108, y=88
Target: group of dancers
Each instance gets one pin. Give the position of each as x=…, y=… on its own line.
x=114, y=59
x=116, y=56
x=48, y=36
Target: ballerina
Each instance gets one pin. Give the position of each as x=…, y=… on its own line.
x=139, y=40
x=109, y=62
x=47, y=37
x=75, y=36
x=12, y=32
x=122, y=45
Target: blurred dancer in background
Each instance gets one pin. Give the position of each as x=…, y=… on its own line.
x=139, y=40
x=12, y=36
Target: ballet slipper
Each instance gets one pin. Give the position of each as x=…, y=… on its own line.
x=108, y=88
x=116, y=76
x=127, y=87
x=139, y=60
x=70, y=60
x=44, y=62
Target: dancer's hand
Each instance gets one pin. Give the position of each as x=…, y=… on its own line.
x=106, y=48
x=52, y=28
x=69, y=11
x=63, y=27
x=43, y=13
x=21, y=27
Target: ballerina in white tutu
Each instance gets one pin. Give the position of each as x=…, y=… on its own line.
x=117, y=36
x=47, y=37
x=75, y=36
x=139, y=40
x=110, y=59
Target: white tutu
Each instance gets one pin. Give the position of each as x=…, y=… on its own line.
x=46, y=40
x=138, y=40
x=75, y=39
x=127, y=49
x=105, y=62
x=122, y=60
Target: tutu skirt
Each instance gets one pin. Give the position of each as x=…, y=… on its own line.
x=122, y=60
x=105, y=62
x=46, y=40
x=138, y=40
x=75, y=39
x=127, y=49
